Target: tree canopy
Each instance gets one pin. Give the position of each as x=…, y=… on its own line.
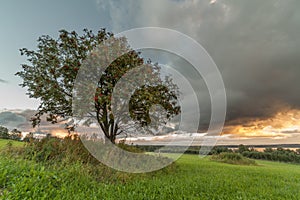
x=4, y=133
x=51, y=71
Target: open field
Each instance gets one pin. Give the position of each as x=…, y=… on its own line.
x=193, y=178
x=3, y=143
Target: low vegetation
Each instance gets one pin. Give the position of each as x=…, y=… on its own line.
x=233, y=158
x=278, y=154
x=50, y=176
x=12, y=135
x=55, y=150
x=272, y=154
x=59, y=153
x=193, y=178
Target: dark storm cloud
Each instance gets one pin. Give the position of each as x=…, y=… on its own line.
x=255, y=44
x=257, y=54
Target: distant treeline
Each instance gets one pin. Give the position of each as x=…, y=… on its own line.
x=13, y=135
x=271, y=153
x=277, y=154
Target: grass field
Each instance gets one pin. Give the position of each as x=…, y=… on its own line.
x=194, y=178
x=3, y=143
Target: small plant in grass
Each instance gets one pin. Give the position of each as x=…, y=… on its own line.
x=233, y=158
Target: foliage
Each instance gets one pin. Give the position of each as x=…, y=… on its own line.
x=53, y=67
x=4, y=133
x=219, y=150
x=242, y=148
x=53, y=149
x=15, y=134
x=279, y=154
x=233, y=158
x=189, y=150
x=70, y=150
x=130, y=148
x=272, y=154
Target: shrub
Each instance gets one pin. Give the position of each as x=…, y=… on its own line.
x=242, y=148
x=130, y=148
x=218, y=150
x=53, y=149
x=70, y=150
x=233, y=158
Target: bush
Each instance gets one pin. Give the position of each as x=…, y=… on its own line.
x=52, y=149
x=233, y=158
x=56, y=153
x=242, y=148
x=130, y=148
x=71, y=150
x=218, y=150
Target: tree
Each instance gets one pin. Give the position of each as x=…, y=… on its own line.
x=15, y=134
x=268, y=150
x=29, y=137
x=53, y=67
x=4, y=133
x=242, y=148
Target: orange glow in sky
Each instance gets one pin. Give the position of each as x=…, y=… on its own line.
x=60, y=133
x=283, y=124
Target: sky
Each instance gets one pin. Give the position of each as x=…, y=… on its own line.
x=22, y=22
x=255, y=45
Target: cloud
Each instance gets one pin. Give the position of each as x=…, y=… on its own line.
x=3, y=81
x=254, y=43
x=11, y=120
x=20, y=119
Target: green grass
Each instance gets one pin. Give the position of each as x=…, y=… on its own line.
x=4, y=142
x=194, y=178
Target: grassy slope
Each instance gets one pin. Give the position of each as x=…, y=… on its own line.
x=194, y=179
x=3, y=143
